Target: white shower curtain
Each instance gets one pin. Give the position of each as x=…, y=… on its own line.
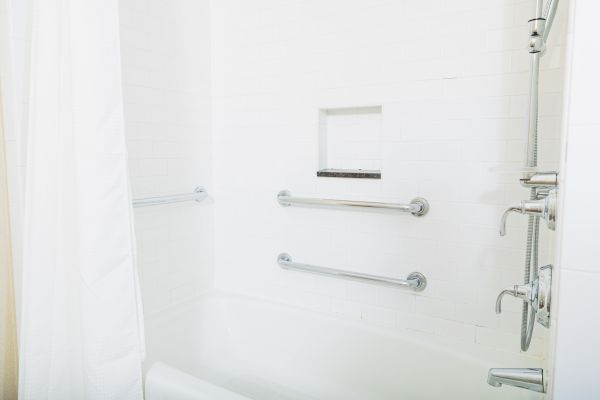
x=8, y=323
x=81, y=332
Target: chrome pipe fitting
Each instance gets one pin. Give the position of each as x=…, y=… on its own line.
x=537, y=26
x=536, y=44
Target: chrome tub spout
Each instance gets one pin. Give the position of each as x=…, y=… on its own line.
x=526, y=378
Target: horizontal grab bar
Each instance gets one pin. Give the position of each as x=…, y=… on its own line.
x=415, y=280
x=417, y=207
x=198, y=195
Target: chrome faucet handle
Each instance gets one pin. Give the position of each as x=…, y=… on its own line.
x=536, y=292
x=544, y=208
x=523, y=292
x=515, y=208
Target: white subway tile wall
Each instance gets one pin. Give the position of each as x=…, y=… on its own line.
x=452, y=80
x=165, y=50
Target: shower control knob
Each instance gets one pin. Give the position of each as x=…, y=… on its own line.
x=544, y=208
x=536, y=293
x=523, y=292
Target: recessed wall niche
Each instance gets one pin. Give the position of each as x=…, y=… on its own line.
x=350, y=142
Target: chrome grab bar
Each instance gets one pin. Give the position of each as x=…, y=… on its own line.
x=198, y=195
x=417, y=207
x=415, y=280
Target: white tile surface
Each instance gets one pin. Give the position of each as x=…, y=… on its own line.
x=166, y=89
x=453, y=117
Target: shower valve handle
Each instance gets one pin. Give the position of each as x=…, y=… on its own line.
x=544, y=208
x=536, y=293
x=523, y=292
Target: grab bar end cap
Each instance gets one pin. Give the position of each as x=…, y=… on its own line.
x=419, y=278
x=282, y=198
x=423, y=206
x=200, y=189
x=283, y=258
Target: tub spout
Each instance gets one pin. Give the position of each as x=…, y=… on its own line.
x=526, y=378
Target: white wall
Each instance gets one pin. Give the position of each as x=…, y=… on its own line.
x=166, y=80
x=452, y=78
x=577, y=345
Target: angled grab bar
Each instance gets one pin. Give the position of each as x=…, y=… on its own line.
x=415, y=280
x=417, y=207
x=197, y=195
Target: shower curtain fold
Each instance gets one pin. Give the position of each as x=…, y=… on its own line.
x=8, y=325
x=81, y=328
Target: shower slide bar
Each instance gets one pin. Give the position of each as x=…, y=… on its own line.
x=415, y=280
x=417, y=207
x=197, y=195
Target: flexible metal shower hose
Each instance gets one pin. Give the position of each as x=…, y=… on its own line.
x=531, y=257
x=531, y=260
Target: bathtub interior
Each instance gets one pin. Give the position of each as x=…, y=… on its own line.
x=231, y=341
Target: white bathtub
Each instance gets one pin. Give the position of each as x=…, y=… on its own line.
x=231, y=347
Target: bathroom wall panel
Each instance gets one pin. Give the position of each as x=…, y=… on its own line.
x=165, y=50
x=452, y=80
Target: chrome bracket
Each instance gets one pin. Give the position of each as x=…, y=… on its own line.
x=546, y=179
x=537, y=30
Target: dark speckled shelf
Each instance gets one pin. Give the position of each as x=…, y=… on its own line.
x=350, y=173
